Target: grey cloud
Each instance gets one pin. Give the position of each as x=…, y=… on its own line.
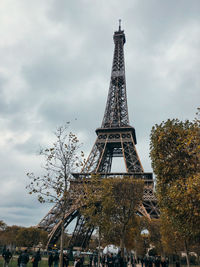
x=56, y=68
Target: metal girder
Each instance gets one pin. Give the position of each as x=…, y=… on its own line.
x=113, y=144
x=56, y=231
x=81, y=234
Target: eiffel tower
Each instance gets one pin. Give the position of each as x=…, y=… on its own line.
x=115, y=138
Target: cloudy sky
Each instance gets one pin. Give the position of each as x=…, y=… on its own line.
x=55, y=66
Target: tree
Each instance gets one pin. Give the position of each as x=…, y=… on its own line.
x=154, y=227
x=111, y=205
x=3, y=226
x=174, y=150
x=142, y=244
x=172, y=240
x=8, y=235
x=21, y=236
x=61, y=159
x=30, y=237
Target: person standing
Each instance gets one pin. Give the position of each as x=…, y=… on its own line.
x=150, y=262
x=119, y=260
x=56, y=259
x=157, y=262
x=163, y=262
x=95, y=260
x=110, y=260
x=18, y=259
x=50, y=259
x=36, y=258
x=167, y=261
x=77, y=263
x=65, y=260
x=91, y=260
x=142, y=261
x=7, y=257
x=82, y=260
x=24, y=258
x=133, y=261
x=146, y=261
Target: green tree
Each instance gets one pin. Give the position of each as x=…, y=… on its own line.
x=111, y=205
x=61, y=159
x=174, y=150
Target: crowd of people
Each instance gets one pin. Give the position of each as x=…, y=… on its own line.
x=53, y=259
x=116, y=260
x=22, y=259
x=108, y=260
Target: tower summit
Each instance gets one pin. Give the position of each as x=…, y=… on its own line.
x=116, y=112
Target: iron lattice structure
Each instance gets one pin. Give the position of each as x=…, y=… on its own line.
x=115, y=138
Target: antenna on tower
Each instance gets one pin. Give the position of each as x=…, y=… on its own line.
x=120, y=25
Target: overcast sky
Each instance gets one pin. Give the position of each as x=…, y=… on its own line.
x=55, y=65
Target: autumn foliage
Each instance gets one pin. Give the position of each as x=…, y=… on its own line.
x=175, y=154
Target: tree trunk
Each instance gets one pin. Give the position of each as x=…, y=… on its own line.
x=61, y=244
x=99, y=244
x=187, y=254
x=122, y=246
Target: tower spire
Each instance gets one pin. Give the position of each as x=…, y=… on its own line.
x=116, y=112
x=120, y=25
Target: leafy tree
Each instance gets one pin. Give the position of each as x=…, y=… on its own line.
x=154, y=227
x=142, y=244
x=8, y=235
x=30, y=237
x=21, y=236
x=111, y=204
x=133, y=236
x=3, y=226
x=172, y=240
x=61, y=159
x=174, y=150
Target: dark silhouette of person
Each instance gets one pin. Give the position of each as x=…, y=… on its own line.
x=78, y=262
x=146, y=261
x=24, y=258
x=119, y=260
x=150, y=262
x=157, y=261
x=65, y=260
x=50, y=259
x=56, y=259
x=7, y=255
x=142, y=261
x=91, y=259
x=36, y=258
x=95, y=260
x=18, y=259
x=82, y=260
x=110, y=260
x=163, y=262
